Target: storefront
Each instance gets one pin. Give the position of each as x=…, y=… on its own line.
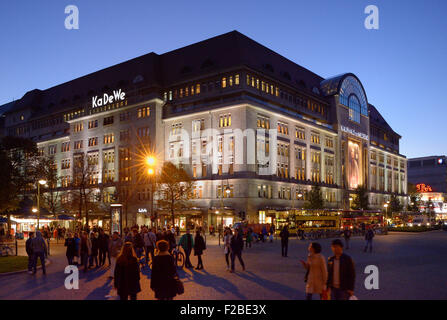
x=221, y=217
x=188, y=218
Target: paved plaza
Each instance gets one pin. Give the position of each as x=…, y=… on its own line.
x=411, y=266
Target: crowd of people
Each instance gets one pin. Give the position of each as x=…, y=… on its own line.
x=127, y=254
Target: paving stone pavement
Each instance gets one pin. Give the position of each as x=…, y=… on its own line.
x=411, y=266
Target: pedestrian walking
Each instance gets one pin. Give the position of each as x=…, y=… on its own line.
x=284, y=235
x=164, y=273
x=71, y=248
x=103, y=246
x=264, y=233
x=187, y=243
x=127, y=273
x=227, y=246
x=95, y=248
x=29, y=251
x=316, y=271
x=77, y=242
x=199, y=247
x=85, y=250
x=236, y=245
x=249, y=238
x=170, y=238
x=138, y=243
x=40, y=250
x=149, y=243
x=341, y=273
x=347, y=235
x=369, y=235
x=114, y=249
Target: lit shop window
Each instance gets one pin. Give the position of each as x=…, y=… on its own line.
x=109, y=138
x=261, y=216
x=225, y=120
x=144, y=112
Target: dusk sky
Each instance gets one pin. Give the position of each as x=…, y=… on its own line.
x=402, y=65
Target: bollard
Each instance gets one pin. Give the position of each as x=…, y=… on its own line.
x=16, y=247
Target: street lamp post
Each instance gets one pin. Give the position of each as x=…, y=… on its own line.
x=40, y=182
x=150, y=161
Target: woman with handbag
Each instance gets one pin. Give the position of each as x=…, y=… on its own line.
x=316, y=272
x=127, y=273
x=164, y=278
x=199, y=247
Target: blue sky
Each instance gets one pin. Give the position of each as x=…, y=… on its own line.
x=402, y=65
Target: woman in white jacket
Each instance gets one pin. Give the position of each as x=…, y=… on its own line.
x=316, y=275
x=227, y=241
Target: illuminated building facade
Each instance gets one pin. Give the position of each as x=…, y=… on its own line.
x=255, y=130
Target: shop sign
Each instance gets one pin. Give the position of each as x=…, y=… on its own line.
x=142, y=210
x=360, y=135
x=117, y=95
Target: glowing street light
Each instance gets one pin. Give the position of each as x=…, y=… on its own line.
x=41, y=182
x=150, y=160
x=150, y=171
x=34, y=210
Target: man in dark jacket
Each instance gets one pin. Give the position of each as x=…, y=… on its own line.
x=103, y=246
x=284, y=241
x=347, y=236
x=369, y=235
x=236, y=245
x=40, y=250
x=29, y=252
x=341, y=273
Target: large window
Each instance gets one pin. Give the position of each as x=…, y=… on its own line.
x=354, y=108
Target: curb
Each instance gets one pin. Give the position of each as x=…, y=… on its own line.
x=47, y=262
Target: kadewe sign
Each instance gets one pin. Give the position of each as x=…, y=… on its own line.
x=99, y=101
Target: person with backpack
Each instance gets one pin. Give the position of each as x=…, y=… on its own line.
x=369, y=235
x=40, y=251
x=187, y=243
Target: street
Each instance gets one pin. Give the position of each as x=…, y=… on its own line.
x=411, y=266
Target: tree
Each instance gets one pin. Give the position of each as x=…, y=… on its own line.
x=414, y=198
x=17, y=172
x=174, y=188
x=395, y=205
x=314, y=198
x=47, y=170
x=360, y=201
x=83, y=186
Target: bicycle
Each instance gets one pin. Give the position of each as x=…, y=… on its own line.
x=179, y=258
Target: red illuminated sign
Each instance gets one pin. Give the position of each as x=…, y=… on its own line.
x=423, y=188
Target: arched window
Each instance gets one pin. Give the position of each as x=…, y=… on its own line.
x=354, y=108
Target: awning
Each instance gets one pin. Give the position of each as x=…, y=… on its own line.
x=65, y=217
